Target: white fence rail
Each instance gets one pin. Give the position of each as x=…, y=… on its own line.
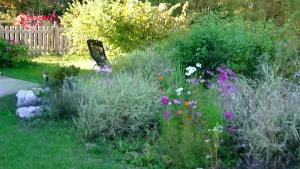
x=39, y=39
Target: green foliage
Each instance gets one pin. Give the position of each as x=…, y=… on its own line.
x=62, y=103
x=266, y=115
x=58, y=142
x=63, y=72
x=149, y=62
x=11, y=53
x=279, y=12
x=121, y=105
x=121, y=25
x=213, y=41
x=287, y=58
x=191, y=134
x=34, y=6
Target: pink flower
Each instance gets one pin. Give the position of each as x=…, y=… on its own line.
x=177, y=101
x=164, y=100
x=228, y=115
x=105, y=69
x=166, y=114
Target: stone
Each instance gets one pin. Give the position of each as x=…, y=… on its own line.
x=27, y=98
x=29, y=112
x=297, y=75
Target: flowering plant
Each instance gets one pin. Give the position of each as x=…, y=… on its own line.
x=183, y=119
x=39, y=20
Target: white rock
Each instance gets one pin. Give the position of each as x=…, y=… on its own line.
x=29, y=112
x=27, y=98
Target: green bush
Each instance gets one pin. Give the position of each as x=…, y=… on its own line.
x=266, y=118
x=287, y=57
x=121, y=105
x=121, y=25
x=63, y=72
x=149, y=62
x=213, y=41
x=63, y=101
x=10, y=53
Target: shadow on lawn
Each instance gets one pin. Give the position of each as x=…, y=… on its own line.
x=32, y=71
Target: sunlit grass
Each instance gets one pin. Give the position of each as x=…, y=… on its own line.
x=47, y=144
x=84, y=62
x=33, y=70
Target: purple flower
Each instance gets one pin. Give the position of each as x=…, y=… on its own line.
x=223, y=77
x=193, y=104
x=104, y=68
x=228, y=115
x=210, y=72
x=193, y=81
x=166, y=114
x=226, y=80
x=177, y=101
x=164, y=100
x=198, y=114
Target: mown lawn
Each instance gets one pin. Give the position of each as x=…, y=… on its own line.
x=44, y=143
x=33, y=70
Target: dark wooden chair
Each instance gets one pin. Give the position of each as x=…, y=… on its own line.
x=97, y=52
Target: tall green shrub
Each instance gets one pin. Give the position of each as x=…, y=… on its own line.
x=212, y=41
x=149, y=62
x=121, y=25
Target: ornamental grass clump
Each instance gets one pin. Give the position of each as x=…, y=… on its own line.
x=117, y=105
x=265, y=116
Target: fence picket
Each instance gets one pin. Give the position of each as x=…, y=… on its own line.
x=6, y=32
x=39, y=39
x=2, y=31
x=17, y=35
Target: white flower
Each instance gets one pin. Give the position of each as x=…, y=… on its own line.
x=198, y=65
x=202, y=81
x=190, y=70
x=207, y=156
x=218, y=129
x=207, y=141
x=188, y=92
x=178, y=91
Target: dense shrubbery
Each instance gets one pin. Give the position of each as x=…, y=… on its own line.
x=287, y=57
x=63, y=72
x=121, y=25
x=234, y=42
x=266, y=116
x=193, y=130
x=150, y=62
x=10, y=53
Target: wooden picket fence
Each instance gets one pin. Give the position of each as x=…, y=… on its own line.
x=39, y=39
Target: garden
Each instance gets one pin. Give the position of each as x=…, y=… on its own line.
x=197, y=84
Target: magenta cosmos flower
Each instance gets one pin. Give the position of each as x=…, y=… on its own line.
x=164, y=100
x=228, y=115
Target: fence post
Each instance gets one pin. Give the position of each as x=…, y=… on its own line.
x=1, y=31
x=56, y=38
